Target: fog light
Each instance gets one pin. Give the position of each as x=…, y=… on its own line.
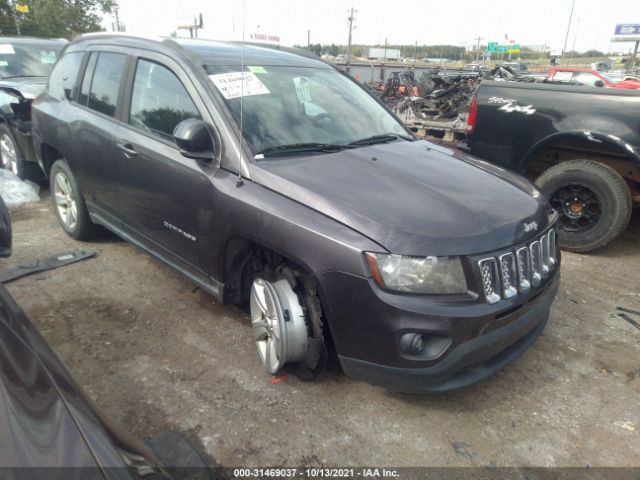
x=412, y=343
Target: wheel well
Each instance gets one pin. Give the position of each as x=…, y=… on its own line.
x=583, y=148
x=49, y=155
x=245, y=258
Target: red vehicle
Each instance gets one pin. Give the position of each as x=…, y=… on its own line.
x=588, y=76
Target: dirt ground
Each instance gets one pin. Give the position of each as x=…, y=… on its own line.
x=155, y=353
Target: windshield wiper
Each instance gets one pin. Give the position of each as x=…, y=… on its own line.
x=302, y=148
x=384, y=138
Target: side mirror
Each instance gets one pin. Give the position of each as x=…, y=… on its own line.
x=599, y=83
x=193, y=139
x=5, y=230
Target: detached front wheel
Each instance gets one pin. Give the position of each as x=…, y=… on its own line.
x=593, y=201
x=286, y=323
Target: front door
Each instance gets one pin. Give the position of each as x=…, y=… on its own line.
x=164, y=198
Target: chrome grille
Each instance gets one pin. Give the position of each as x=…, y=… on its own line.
x=490, y=279
x=524, y=269
x=509, y=275
x=506, y=275
x=536, y=263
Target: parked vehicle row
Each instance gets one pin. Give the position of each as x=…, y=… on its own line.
x=278, y=181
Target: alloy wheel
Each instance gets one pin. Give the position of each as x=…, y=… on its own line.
x=278, y=323
x=65, y=200
x=8, y=153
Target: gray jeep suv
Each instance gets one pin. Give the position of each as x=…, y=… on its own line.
x=271, y=178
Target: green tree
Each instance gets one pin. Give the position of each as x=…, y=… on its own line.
x=53, y=18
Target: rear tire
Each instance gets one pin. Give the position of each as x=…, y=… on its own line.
x=69, y=204
x=593, y=200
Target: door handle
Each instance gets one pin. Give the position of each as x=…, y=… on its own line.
x=128, y=149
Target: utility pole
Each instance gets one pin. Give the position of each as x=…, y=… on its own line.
x=478, y=48
x=351, y=27
x=117, y=17
x=415, y=54
x=12, y=6
x=384, y=59
x=632, y=60
x=308, y=39
x=566, y=38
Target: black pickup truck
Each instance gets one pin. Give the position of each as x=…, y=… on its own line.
x=581, y=145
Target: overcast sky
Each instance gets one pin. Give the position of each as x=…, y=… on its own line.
x=428, y=22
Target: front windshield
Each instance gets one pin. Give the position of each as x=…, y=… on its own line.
x=27, y=59
x=288, y=105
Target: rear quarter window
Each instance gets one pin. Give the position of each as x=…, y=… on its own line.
x=105, y=84
x=63, y=79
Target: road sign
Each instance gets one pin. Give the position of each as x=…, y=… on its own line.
x=22, y=8
x=627, y=32
x=493, y=47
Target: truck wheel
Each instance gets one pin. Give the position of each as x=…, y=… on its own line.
x=68, y=203
x=286, y=322
x=593, y=201
x=10, y=153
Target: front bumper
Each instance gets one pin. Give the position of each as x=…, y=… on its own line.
x=366, y=325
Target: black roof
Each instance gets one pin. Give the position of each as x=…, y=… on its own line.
x=217, y=52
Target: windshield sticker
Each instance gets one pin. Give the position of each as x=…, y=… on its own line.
x=7, y=49
x=302, y=89
x=257, y=69
x=48, y=57
x=4, y=63
x=238, y=84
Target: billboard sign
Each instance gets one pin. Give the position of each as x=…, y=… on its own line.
x=627, y=32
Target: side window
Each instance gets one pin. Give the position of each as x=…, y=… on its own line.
x=83, y=99
x=103, y=94
x=585, y=78
x=62, y=82
x=561, y=76
x=159, y=101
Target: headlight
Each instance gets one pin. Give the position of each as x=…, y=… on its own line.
x=434, y=275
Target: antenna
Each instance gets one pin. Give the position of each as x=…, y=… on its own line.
x=244, y=12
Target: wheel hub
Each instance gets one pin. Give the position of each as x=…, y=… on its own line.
x=579, y=207
x=278, y=323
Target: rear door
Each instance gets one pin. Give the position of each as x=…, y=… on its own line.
x=95, y=122
x=164, y=198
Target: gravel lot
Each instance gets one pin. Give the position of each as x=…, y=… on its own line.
x=155, y=352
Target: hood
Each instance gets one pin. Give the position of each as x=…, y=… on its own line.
x=412, y=198
x=27, y=87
